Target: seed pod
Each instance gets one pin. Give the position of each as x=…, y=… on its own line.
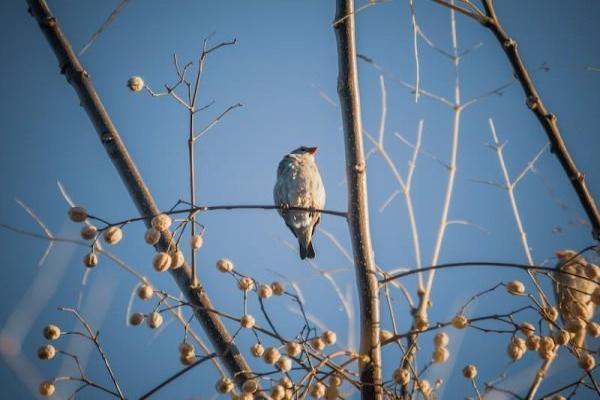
x=286, y=382
x=145, y=291
x=250, y=386
x=441, y=339
x=135, y=84
x=401, y=376
x=89, y=232
x=247, y=321
x=293, y=348
x=196, y=242
x=515, y=287
x=317, y=390
x=155, y=320
x=113, y=235
x=532, y=342
x=224, y=265
x=329, y=337
x=278, y=288
x=460, y=321
x=187, y=360
x=384, y=335
x=46, y=388
x=177, y=259
x=90, y=260
x=161, y=222
x=284, y=364
x=587, y=362
x=46, y=352
x=514, y=351
x=78, y=214
x=245, y=284
x=440, y=355
x=547, y=349
x=51, y=332
x=272, y=355
x=224, y=385
x=527, y=329
x=470, y=371
x=257, y=350
x=335, y=380
x=136, y=318
x=265, y=291
x=161, y=261
x=317, y=343
x=152, y=236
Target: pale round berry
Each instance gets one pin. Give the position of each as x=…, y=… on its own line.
x=224, y=385
x=278, y=288
x=187, y=349
x=113, y=235
x=317, y=343
x=89, y=232
x=161, y=222
x=278, y=392
x=90, y=260
x=587, y=362
x=177, y=259
x=527, y=329
x=335, y=380
x=155, y=320
x=469, y=371
x=271, y=355
x=286, y=382
x=257, y=350
x=460, y=321
x=293, y=348
x=46, y=388
x=515, y=287
x=265, y=291
x=441, y=339
x=284, y=364
x=51, y=332
x=135, y=84
x=161, y=261
x=401, y=376
x=317, y=390
x=46, y=352
x=250, y=386
x=593, y=329
x=550, y=313
x=145, y=291
x=247, y=321
x=187, y=360
x=440, y=355
x=78, y=214
x=515, y=352
x=136, y=318
x=152, y=236
x=562, y=337
x=329, y=337
x=246, y=284
x=196, y=242
x=224, y=265
x=532, y=342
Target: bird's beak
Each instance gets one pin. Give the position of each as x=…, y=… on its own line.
x=312, y=150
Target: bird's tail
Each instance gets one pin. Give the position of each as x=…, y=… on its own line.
x=307, y=251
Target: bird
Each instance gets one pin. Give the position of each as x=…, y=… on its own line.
x=299, y=184
x=573, y=294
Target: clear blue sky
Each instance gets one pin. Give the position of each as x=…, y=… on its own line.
x=285, y=56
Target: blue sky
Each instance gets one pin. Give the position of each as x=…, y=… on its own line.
x=284, y=62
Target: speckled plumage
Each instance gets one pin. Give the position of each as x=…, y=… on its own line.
x=299, y=184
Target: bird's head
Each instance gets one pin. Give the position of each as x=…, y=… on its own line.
x=564, y=255
x=303, y=150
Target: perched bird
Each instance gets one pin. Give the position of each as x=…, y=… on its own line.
x=573, y=294
x=299, y=185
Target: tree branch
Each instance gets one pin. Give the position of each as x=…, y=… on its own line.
x=114, y=146
x=358, y=211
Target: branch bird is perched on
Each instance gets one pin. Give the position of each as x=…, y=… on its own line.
x=299, y=185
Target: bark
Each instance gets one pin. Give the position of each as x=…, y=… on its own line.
x=358, y=210
x=114, y=146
